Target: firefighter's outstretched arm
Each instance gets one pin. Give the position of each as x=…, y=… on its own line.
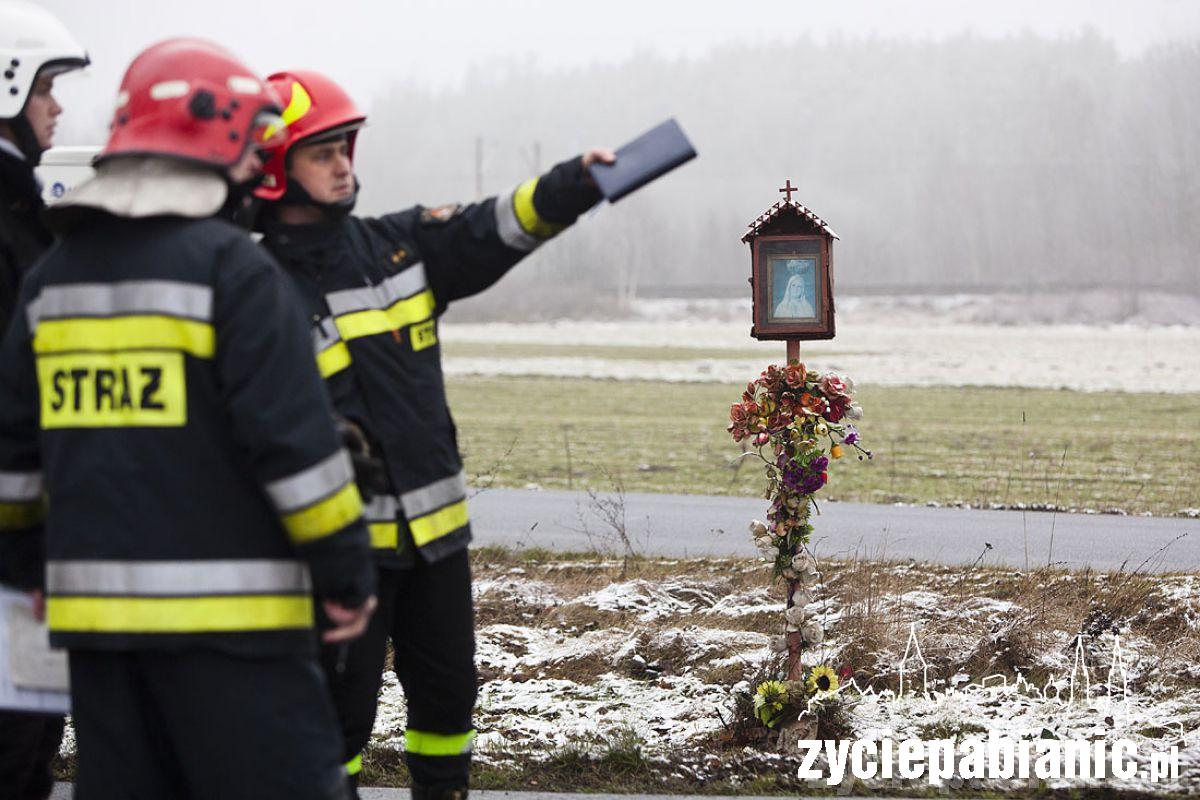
x=467, y=249
x=281, y=415
x=22, y=504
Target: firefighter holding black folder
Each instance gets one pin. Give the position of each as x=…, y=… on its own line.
x=373, y=290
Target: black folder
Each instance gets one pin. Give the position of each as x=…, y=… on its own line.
x=654, y=153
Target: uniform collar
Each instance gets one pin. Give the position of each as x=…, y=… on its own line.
x=137, y=187
x=8, y=148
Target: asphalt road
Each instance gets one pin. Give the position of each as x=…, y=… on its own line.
x=696, y=525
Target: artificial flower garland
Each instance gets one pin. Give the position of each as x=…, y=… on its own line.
x=805, y=418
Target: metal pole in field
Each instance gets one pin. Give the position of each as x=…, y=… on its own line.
x=795, y=640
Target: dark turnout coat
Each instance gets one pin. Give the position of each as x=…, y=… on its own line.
x=373, y=290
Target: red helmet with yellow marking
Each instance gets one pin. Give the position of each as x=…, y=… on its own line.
x=314, y=108
x=192, y=99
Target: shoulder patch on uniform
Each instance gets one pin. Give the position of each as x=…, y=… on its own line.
x=440, y=215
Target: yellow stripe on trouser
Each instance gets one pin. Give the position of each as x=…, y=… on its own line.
x=527, y=215
x=135, y=332
x=178, y=614
x=326, y=517
x=18, y=516
x=384, y=534
x=417, y=308
x=436, y=525
x=354, y=765
x=425, y=743
x=333, y=360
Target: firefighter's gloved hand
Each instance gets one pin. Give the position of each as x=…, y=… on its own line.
x=370, y=473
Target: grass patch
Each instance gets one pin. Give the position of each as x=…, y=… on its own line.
x=978, y=446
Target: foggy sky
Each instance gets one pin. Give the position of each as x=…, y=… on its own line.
x=952, y=145
x=368, y=46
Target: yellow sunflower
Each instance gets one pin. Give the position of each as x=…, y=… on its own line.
x=822, y=680
x=770, y=701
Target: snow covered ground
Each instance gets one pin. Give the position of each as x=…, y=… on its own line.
x=917, y=344
x=573, y=654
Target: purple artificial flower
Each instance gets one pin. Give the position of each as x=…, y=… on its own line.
x=818, y=464
x=851, y=435
x=812, y=483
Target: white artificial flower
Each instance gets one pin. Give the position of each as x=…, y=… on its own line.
x=795, y=615
x=758, y=528
x=765, y=544
x=854, y=411
x=812, y=633
x=801, y=598
x=779, y=644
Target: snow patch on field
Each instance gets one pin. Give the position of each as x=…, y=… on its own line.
x=668, y=663
x=876, y=352
x=649, y=601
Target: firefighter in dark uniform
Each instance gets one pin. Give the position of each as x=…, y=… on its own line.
x=34, y=48
x=373, y=289
x=169, y=468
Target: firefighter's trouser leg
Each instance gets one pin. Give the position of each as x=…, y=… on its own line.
x=202, y=724
x=28, y=742
x=433, y=633
x=354, y=672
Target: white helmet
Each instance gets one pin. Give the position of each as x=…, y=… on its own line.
x=32, y=41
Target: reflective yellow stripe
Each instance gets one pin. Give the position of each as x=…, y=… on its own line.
x=135, y=332
x=417, y=308
x=333, y=360
x=354, y=765
x=299, y=105
x=178, y=614
x=384, y=534
x=433, y=526
x=438, y=744
x=527, y=215
x=18, y=516
x=326, y=517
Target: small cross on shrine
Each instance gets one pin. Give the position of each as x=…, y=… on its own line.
x=788, y=189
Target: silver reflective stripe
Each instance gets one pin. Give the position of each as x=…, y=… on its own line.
x=317, y=482
x=325, y=335
x=347, y=301
x=509, y=227
x=382, y=508
x=20, y=486
x=172, y=298
x=420, y=502
x=404, y=284
x=381, y=295
x=177, y=578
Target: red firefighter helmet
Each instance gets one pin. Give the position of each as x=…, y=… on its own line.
x=315, y=107
x=192, y=99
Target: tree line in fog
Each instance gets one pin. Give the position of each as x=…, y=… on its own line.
x=967, y=164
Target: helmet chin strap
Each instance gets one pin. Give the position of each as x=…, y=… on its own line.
x=239, y=207
x=297, y=195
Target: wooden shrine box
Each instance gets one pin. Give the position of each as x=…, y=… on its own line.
x=792, y=272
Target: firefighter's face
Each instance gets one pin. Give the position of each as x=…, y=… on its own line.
x=42, y=110
x=324, y=170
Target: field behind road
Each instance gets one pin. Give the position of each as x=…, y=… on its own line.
x=1100, y=451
